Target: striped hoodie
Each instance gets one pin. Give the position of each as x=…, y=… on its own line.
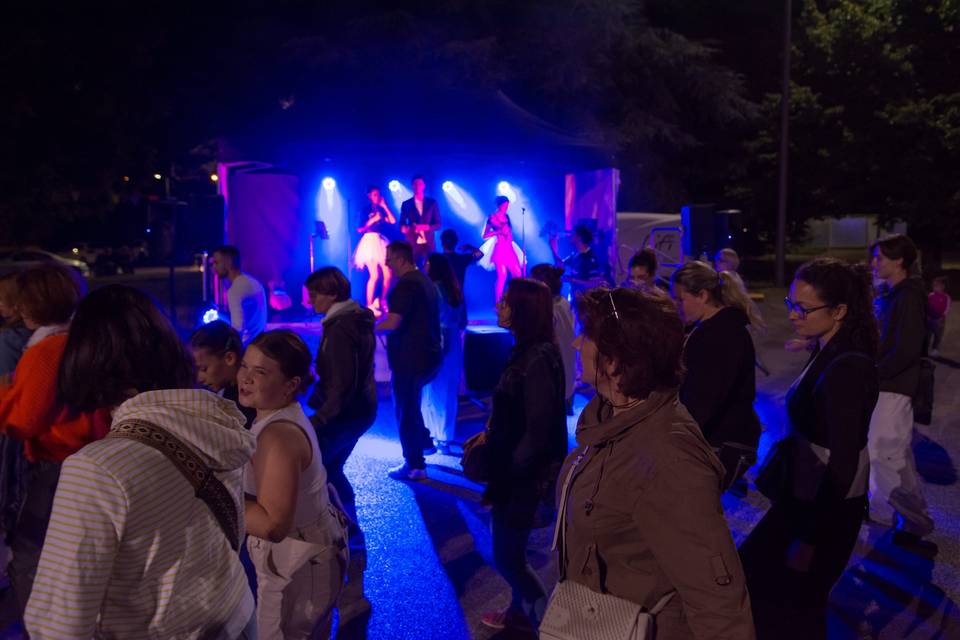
x=130, y=551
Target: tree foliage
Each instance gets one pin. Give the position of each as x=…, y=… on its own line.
x=875, y=119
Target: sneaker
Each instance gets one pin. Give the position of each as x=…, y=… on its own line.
x=403, y=472
x=506, y=619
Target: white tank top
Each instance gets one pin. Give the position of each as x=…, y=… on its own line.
x=313, y=501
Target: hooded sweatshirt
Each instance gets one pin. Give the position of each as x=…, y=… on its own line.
x=902, y=315
x=131, y=552
x=346, y=392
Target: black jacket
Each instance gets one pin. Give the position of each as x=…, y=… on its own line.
x=831, y=406
x=720, y=383
x=902, y=314
x=527, y=432
x=409, y=216
x=346, y=393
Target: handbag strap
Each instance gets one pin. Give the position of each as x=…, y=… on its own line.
x=206, y=485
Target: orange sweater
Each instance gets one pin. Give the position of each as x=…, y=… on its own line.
x=29, y=410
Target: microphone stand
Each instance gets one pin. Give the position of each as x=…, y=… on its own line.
x=523, y=237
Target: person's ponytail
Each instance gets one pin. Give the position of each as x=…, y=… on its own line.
x=733, y=293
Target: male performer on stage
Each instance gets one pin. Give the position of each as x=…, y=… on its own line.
x=419, y=219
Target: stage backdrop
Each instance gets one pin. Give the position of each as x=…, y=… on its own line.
x=266, y=222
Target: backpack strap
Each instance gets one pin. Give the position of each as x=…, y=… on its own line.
x=206, y=486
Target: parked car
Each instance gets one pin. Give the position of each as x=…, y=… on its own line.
x=20, y=259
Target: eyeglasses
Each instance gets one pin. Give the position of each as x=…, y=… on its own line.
x=799, y=309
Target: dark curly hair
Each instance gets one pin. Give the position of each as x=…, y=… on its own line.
x=641, y=334
x=836, y=283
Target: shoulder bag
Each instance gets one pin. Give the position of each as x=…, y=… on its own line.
x=576, y=612
x=213, y=493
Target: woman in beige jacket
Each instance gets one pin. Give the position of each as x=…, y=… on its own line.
x=643, y=512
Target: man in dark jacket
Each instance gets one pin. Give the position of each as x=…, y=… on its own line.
x=345, y=404
x=419, y=221
x=896, y=497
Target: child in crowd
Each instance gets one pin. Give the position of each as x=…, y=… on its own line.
x=217, y=350
x=938, y=306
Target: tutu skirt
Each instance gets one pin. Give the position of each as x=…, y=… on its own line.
x=371, y=252
x=492, y=256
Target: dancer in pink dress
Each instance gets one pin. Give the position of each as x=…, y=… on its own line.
x=371, y=252
x=500, y=252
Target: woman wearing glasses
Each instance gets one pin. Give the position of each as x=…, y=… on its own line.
x=798, y=551
x=720, y=383
x=642, y=511
x=526, y=442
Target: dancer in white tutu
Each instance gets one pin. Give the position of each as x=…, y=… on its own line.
x=371, y=252
x=500, y=252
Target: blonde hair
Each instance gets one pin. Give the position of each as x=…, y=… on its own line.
x=8, y=296
x=725, y=288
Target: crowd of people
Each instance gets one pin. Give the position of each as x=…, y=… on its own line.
x=135, y=464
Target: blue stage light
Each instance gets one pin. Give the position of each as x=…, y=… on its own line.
x=505, y=189
x=394, y=185
x=448, y=187
x=210, y=315
x=329, y=184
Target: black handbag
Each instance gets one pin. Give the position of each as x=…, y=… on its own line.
x=923, y=398
x=774, y=477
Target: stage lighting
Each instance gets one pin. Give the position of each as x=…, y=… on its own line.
x=329, y=184
x=214, y=177
x=157, y=176
x=394, y=185
x=504, y=189
x=210, y=315
x=448, y=187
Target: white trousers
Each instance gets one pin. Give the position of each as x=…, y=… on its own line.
x=298, y=582
x=895, y=488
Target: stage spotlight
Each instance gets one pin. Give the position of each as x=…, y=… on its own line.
x=214, y=177
x=461, y=203
x=210, y=315
x=504, y=189
x=157, y=176
x=394, y=185
x=329, y=184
